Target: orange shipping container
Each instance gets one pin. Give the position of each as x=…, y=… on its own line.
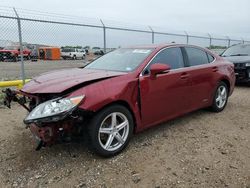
x=49, y=53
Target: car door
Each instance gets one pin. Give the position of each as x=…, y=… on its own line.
x=201, y=71
x=164, y=97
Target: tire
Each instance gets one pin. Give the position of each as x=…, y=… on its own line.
x=74, y=57
x=15, y=58
x=220, y=97
x=110, y=130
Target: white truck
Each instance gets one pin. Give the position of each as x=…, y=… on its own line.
x=73, y=53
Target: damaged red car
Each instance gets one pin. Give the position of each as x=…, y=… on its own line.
x=124, y=92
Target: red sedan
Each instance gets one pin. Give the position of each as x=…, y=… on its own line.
x=13, y=52
x=124, y=92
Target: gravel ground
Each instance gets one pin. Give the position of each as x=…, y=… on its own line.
x=201, y=149
x=11, y=70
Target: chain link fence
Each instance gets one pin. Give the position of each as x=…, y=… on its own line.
x=34, y=29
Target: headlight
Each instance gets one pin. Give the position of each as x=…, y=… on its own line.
x=247, y=64
x=53, y=110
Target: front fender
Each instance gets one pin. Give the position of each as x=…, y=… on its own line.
x=100, y=94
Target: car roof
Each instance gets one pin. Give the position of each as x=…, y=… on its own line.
x=240, y=45
x=150, y=46
x=159, y=46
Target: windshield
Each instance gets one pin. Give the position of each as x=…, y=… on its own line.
x=123, y=59
x=238, y=50
x=11, y=48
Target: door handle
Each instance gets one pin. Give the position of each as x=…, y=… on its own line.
x=184, y=75
x=215, y=69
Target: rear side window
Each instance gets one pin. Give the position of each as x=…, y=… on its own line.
x=210, y=58
x=171, y=56
x=196, y=56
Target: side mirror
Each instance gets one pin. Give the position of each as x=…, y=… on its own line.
x=159, y=68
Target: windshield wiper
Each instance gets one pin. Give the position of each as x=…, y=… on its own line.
x=239, y=55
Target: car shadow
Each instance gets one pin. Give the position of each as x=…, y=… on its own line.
x=176, y=123
x=242, y=85
x=65, y=154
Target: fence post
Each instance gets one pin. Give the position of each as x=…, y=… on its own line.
x=243, y=41
x=104, y=36
x=153, y=34
x=21, y=45
x=229, y=41
x=187, y=37
x=210, y=40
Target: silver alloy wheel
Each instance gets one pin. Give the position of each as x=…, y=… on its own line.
x=221, y=96
x=113, y=131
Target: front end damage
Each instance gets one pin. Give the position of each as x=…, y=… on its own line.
x=242, y=72
x=51, y=133
x=48, y=121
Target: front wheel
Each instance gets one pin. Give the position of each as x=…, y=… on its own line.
x=110, y=130
x=220, y=97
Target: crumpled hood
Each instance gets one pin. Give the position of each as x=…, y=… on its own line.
x=61, y=80
x=238, y=59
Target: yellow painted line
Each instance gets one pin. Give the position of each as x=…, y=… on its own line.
x=11, y=83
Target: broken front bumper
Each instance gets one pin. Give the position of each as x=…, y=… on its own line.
x=15, y=96
x=49, y=134
x=242, y=74
x=48, y=130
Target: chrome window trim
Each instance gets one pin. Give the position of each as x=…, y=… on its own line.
x=212, y=56
x=171, y=70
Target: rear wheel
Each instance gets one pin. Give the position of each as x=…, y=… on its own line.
x=110, y=130
x=74, y=57
x=220, y=97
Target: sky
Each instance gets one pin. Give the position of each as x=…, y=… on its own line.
x=219, y=17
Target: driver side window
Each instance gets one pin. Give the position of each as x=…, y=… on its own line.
x=171, y=56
